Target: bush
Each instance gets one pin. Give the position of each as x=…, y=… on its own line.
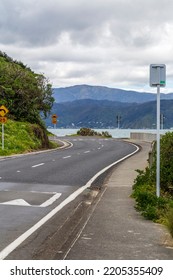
x=84, y=131
x=170, y=221
x=166, y=163
x=159, y=209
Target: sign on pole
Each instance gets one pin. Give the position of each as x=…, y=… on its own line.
x=3, y=119
x=54, y=120
x=158, y=79
x=3, y=111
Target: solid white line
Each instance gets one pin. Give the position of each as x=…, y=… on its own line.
x=51, y=200
x=67, y=157
x=12, y=246
x=38, y=165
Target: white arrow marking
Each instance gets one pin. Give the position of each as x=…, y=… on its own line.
x=19, y=202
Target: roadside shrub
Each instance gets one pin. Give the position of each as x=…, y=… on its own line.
x=106, y=134
x=85, y=131
x=166, y=163
x=170, y=221
x=158, y=209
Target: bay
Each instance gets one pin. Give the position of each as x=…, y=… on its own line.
x=116, y=133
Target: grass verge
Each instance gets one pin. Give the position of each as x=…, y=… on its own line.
x=22, y=137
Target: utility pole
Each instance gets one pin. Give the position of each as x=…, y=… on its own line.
x=118, y=121
x=162, y=117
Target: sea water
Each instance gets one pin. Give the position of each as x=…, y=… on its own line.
x=116, y=133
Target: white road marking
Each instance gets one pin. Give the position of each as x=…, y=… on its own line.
x=12, y=246
x=38, y=165
x=18, y=171
x=86, y=152
x=22, y=202
x=51, y=200
x=19, y=202
x=67, y=157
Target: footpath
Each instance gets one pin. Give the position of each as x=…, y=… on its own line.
x=115, y=230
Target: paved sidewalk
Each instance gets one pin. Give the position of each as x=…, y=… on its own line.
x=115, y=230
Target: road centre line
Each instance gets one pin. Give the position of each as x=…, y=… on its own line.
x=67, y=157
x=38, y=165
x=13, y=245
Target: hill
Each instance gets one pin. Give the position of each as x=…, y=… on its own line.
x=79, y=92
x=103, y=114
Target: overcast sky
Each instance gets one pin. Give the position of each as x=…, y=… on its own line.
x=96, y=42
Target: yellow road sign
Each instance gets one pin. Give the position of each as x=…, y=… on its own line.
x=3, y=111
x=54, y=119
x=3, y=119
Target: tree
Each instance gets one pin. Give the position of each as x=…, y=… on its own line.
x=24, y=92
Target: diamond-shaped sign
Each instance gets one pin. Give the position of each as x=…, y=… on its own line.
x=3, y=111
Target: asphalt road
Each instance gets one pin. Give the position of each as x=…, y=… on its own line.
x=34, y=188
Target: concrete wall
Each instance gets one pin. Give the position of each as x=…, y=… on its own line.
x=150, y=137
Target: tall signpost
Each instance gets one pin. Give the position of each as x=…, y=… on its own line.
x=158, y=79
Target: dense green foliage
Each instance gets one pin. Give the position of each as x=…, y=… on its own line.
x=23, y=92
x=84, y=131
x=144, y=190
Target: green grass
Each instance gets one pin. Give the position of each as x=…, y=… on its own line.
x=21, y=137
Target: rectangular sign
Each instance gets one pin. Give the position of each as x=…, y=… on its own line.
x=157, y=75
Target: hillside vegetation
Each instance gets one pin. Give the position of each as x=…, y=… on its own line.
x=27, y=96
x=23, y=92
x=21, y=137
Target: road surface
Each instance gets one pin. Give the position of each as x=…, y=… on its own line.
x=37, y=188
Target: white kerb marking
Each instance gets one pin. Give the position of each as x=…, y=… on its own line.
x=12, y=246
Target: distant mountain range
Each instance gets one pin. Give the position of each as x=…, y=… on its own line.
x=103, y=114
x=99, y=107
x=79, y=92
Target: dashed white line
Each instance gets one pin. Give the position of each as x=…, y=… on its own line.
x=67, y=157
x=86, y=152
x=38, y=165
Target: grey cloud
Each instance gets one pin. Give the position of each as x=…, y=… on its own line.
x=95, y=39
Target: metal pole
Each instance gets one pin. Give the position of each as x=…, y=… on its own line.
x=2, y=136
x=158, y=143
